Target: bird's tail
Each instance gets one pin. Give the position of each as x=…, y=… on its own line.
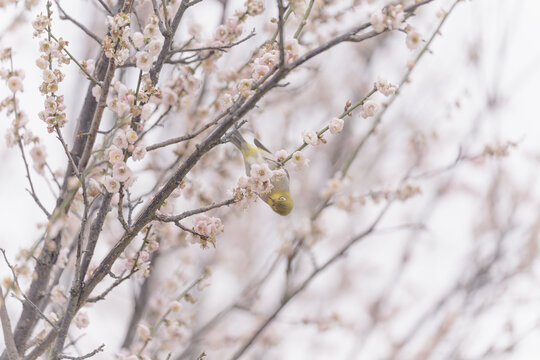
x=237, y=139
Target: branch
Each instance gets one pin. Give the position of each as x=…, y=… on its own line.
x=66, y=16
x=11, y=349
x=89, y=355
x=196, y=211
x=105, y=7
x=281, y=31
x=31, y=191
x=162, y=28
x=185, y=137
x=308, y=280
x=304, y=19
x=219, y=48
x=347, y=112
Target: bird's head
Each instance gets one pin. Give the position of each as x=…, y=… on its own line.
x=280, y=201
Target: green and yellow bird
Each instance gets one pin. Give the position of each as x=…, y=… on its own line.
x=279, y=198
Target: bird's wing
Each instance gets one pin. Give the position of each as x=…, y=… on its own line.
x=260, y=146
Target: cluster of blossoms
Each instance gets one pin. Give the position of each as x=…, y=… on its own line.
x=390, y=18
x=498, y=150
x=385, y=88
x=123, y=101
x=413, y=38
x=404, y=193
x=299, y=159
x=266, y=59
x=227, y=33
x=116, y=45
x=27, y=3
x=10, y=104
x=138, y=261
x=123, y=142
x=51, y=54
x=259, y=181
x=206, y=228
x=369, y=109
x=178, y=93
x=172, y=323
x=332, y=186
x=141, y=260
x=148, y=44
x=39, y=158
x=254, y=7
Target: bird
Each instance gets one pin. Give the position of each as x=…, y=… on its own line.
x=279, y=198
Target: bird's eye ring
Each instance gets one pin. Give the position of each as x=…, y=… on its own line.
x=282, y=198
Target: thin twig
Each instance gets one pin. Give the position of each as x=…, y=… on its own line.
x=105, y=7
x=189, y=213
x=219, y=48
x=281, y=30
x=66, y=16
x=89, y=355
x=11, y=348
x=187, y=136
x=308, y=280
x=304, y=19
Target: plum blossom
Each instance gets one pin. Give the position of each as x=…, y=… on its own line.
x=244, y=87
x=259, y=71
x=300, y=160
x=144, y=332
x=81, y=320
x=413, y=39
x=310, y=138
x=39, y=156
x=131, y=136
x=154, y=47
x=261, y=172
x=369, y=108
x=336, y=125
x=15, y=84
x=119, y=139
x=138, y=39
x=281, y=155
x=138, y=153
x=208, y=226
x=175, y=306
x=121, y=172
x=147, y=111
x=115, y=155
x=144, y=61
x=111, y=184
x=385, y=88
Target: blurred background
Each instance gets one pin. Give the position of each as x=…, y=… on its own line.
x=444, y=182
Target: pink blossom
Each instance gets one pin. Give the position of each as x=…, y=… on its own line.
x=138, y=153
x=111, y=185
x=310, y=138
x=121, y=172
x=81, y=320
x=144, y=61
x=115, y=154
x=259, y=71
x=15, y=84
x=336, y=125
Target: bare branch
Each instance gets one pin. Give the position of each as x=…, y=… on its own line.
x=6, y=329
x=187, y=136
x=66, y=16
x=105, y=7
x=89, y=355
x=196, y=211
x=219, y=48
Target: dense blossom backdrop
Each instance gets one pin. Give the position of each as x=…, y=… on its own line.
x=409, y=132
